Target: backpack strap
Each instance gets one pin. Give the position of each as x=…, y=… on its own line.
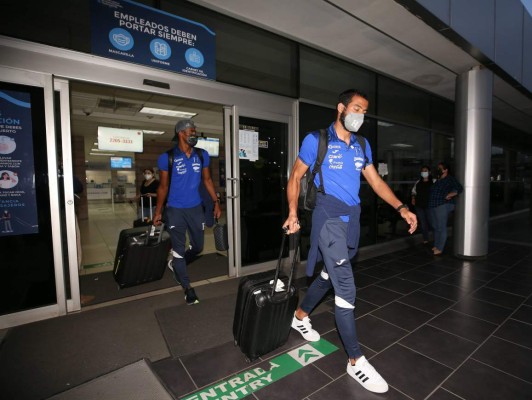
x=322, y=150
x=362, y=142
x=170, y=153
x=199, y=153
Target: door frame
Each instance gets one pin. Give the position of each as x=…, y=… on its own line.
x=45, y=81
x=232, y=167
x=62, y=87
x=52, y=63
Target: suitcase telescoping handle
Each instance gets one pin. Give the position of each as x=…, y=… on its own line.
x=151, y=232
x=142, y=207
x=292, y=266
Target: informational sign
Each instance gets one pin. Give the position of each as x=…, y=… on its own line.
x=212, y=145
x=18, y=207
x=120, y=139
x=383, y=169
x=129, y=31
x=248, y=145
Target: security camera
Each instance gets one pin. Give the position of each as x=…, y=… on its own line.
x=87, y=111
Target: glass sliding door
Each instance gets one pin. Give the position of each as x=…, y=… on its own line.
x=256, y=183
x=32, y=284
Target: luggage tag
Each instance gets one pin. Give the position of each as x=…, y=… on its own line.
x=279, y=287
x=151, y=234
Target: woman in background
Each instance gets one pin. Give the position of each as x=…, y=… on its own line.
x=148, y=189
x=420, y=200
x=442, y=200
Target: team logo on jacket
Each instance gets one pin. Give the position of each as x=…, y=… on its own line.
x=180, y=166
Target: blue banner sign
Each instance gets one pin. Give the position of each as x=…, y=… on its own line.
x=18, y=207
x=129, y=31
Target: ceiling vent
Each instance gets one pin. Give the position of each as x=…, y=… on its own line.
x=119, y=105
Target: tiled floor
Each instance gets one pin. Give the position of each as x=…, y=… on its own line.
x=435, y=328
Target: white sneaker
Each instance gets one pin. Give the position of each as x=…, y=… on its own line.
x=170, y=264
x=364, y=373
x=305, y=328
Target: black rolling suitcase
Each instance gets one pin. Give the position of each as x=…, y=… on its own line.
x=141, y=255
x=263, y=316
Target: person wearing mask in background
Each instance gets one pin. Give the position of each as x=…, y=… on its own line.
x=6, y=217
x=442, y=200
x=184, y=208
x=336, y=227
x=148, y=188
x=420, y=200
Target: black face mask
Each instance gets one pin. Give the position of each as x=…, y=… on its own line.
x=439, y=173
x=192, y=140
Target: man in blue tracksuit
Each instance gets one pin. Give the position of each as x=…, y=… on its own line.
x=336, y=226
x=184, y=207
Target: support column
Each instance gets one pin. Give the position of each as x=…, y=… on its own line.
x=473, y=115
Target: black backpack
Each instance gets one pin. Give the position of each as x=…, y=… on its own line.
x=307, y=190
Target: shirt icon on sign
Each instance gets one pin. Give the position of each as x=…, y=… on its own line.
x=161, y=49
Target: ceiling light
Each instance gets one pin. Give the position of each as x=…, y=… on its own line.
x=168, y=113
x=402, y=145
x=384, y=124
x=428, y=79
x=102, y=154
x=153, y=132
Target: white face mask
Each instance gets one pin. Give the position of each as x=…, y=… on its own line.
x=353, y=121
x=424, y=174
x=148, y=176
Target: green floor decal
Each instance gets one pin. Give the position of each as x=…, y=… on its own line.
x=245, y=383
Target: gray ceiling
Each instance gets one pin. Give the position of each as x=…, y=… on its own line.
x=96, y=105
x=378, y=34
x=381, y=35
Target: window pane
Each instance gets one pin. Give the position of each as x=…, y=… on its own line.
x=401, y=153
x=28, y=279
x=312, y=118
x=441, y=115
x=511, y=173
x=319, y=83
x=245, y=56
x=442, y=149
x=402, y=103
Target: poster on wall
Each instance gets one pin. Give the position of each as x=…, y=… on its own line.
x=248, y=145
x=129, y=31
x=18, y=207
x=116, y=139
